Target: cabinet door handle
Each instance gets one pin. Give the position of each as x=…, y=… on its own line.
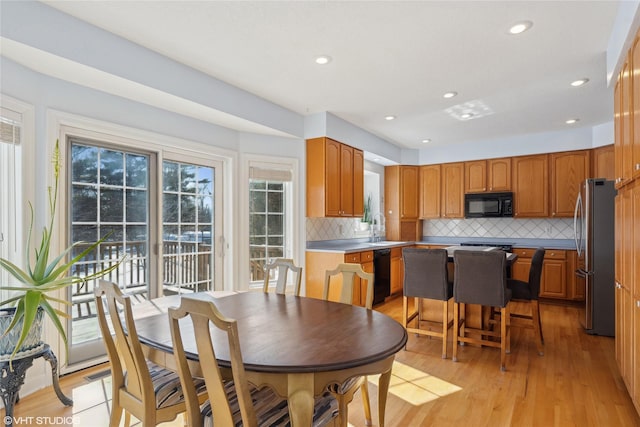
x=638, y=166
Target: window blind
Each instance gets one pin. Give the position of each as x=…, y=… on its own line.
x=10, y=123
x=283, y=175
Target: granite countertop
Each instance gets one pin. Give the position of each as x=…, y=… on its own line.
x=359, y=245
x=566, y=244
x=352, y=245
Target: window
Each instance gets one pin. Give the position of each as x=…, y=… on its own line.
x=188, y=221
x=270, y=213
x=17, y=127
x=13, y=204
x=159, y=213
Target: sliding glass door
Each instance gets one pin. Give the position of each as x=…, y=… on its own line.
x=164, y=235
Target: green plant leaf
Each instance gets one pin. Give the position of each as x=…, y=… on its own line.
x=30, y=308
x=53, y=315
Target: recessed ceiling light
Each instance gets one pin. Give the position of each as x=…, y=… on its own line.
x=323, y=59
x=520, y=27
x=426, y=141
x=389, y=117
x=450, y=94
x=580, y=82
x=466, y=116
x=572, y=121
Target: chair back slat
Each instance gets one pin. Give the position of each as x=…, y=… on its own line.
x=203, y=313
x=349, y=271
x=283, y=266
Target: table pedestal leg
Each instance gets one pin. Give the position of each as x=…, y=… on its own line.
x=301, y=401
x=10, y=383
x=53, y=361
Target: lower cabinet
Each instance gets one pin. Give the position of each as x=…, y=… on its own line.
x=397, y=270
x=317, y=263
x=558, y=278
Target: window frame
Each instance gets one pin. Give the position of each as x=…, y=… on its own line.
x=17, y=222
x=292, y=219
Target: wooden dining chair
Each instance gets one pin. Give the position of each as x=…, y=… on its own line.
x=282, y=267
x=235, y=402
x=426, y=277
x=480, y=278
x=344, y=392
x=140, y=388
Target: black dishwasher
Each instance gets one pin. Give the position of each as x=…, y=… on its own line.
x=382, y=272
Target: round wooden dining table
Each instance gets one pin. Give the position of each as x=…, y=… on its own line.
x=296, y=345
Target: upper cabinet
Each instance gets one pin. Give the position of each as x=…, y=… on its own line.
x=335, y=179
x=531, y=186
x=499, y=174
x=475, y=176
x=622, y=123
x=401, y=185
x=568, y=171
x=492, y=175
x=452, y=190
x=635, y=77
x=429, y=191
x=602, y=163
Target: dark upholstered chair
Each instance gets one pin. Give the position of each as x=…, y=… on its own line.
x=235, y=402
x=529, y=291
x=426, y=276
x=480, y=278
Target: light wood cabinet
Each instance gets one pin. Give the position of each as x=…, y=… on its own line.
x=316, y=265
x=568, y=172
x=397, y=270
x=627, y=221
x=576, y=286
x=499, y=174
x=623, y=122
x=429, y=191
x=602, y=163
x=401, y=203
x=335, y=179
x=558, y=279
x=452, y=190
x=530, y=177
x=358, y=183
x=553, y=283
x=635, y=106
x=625, y=265
x=493, y=175
x=475, y=176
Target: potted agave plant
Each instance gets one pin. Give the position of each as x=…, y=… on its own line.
x=21, y=323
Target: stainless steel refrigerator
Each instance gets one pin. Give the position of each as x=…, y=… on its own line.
x=593, y=227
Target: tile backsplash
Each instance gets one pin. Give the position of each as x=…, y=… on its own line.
x=543, y=228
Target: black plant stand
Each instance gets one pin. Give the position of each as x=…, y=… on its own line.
x=11, y=381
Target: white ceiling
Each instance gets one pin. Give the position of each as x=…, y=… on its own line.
x=390, y=58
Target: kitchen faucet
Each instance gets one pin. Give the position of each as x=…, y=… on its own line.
x=377, y=226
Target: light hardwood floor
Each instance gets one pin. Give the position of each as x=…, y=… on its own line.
x=575, y=383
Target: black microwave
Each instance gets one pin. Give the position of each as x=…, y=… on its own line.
x=488, y=205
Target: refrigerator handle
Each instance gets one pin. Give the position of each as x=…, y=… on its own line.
x=576, y=212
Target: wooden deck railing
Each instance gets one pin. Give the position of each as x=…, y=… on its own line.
x=184, y=270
